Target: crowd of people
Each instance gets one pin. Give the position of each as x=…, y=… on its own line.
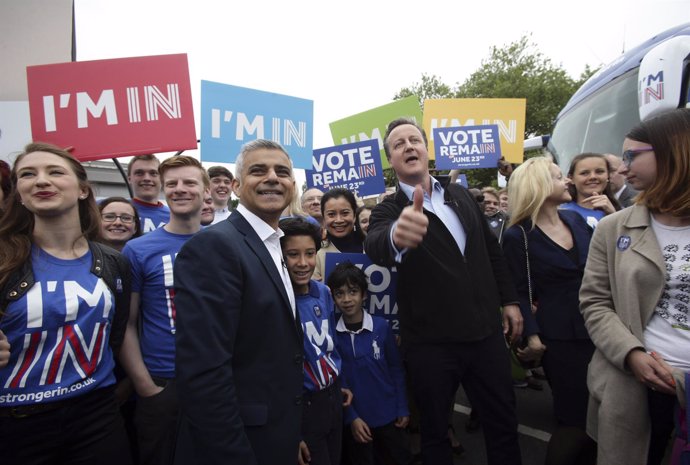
x=185, y=331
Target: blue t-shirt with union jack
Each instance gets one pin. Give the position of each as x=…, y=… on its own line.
x=152, y=257
x=58, y=332
x=321, y=359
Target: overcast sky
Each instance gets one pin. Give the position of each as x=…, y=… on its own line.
x=354, y=55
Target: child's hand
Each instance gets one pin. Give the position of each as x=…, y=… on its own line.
x=402, y=422
x=347, y=397
x=360, y=431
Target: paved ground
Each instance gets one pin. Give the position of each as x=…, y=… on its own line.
x=536, y=423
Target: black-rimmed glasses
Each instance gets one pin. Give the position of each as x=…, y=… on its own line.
x=110, y=217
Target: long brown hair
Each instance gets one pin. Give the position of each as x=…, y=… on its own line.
x=669, y=136
x=608, y=191
x=17, y=223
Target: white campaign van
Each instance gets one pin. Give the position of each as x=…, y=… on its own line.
x=646, y=80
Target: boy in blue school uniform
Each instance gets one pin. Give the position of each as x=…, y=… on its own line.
x=374, y=372
x=324, y=398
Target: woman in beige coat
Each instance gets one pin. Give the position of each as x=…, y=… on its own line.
x=635, y=297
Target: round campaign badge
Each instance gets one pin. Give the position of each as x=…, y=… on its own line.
x=623, y=243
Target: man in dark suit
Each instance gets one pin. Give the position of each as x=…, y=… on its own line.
x=452, y=281
x=239, y=346
x=623, y=192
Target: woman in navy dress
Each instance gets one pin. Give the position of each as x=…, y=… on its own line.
x=556, y=242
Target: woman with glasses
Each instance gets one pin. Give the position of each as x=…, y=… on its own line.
x=119, y=222
x=593, y=197
x=635, y=298
x=64, y=305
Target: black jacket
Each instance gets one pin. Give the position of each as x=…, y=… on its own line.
x=443, y=295
x=498, y=224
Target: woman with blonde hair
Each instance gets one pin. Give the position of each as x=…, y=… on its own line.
x=546, y=250
x=635, y=298
x=63, y=309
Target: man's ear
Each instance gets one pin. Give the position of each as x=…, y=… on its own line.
x=236, y=187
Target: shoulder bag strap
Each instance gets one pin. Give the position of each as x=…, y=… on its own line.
x=529, y=274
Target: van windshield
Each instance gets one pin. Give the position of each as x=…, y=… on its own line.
x=599, y=123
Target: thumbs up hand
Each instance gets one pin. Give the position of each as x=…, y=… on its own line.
x=4, y=350
x=412, y=223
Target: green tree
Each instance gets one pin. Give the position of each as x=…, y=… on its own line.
x=519, y=70
x=516, y=70
x=430, y=87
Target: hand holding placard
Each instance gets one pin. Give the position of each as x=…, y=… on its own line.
x=412, y=223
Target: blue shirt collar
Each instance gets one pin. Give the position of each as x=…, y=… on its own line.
x=313, y=289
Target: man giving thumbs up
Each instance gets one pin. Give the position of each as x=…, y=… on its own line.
x=452, y=281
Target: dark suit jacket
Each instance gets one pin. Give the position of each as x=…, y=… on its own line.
x=627, y=197
x=556, y=279
x=239, y=350
x=445, y=296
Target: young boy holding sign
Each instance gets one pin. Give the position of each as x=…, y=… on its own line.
x=322, y=399
x=373, y=369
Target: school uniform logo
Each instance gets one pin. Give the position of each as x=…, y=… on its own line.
x=377, y=350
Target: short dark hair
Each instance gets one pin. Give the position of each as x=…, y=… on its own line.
x=346, y=273
x=215, y=171
x=296, y=226
x=399, y=122
x=336, y=194
x=136, y=158
x=137, y=221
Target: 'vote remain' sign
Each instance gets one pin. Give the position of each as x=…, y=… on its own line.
x=467, y=147
x=356, y=167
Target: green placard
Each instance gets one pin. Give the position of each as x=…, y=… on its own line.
x=371, y=124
